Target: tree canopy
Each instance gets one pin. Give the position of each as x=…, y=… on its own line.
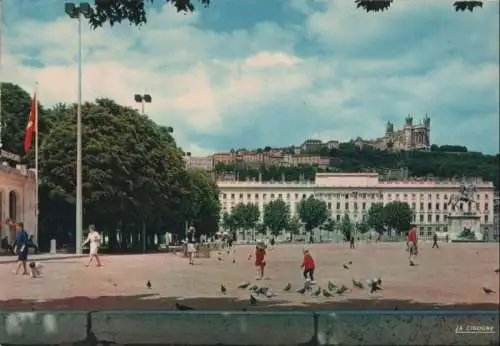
x=313, y=212
x=276, y=216
x=394, y=216
x=133, y=173
x=135, y=12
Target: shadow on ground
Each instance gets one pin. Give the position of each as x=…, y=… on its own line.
x=153, y=302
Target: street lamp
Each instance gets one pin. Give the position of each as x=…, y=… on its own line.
x=143, y=99
x=76, y=11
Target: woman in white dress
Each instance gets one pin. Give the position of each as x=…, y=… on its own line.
x=94, y=239
x=190, y=241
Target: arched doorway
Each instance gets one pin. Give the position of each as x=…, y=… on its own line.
x=13, y=206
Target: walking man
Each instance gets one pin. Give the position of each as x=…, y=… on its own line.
x=21, y=248
x=435, y=239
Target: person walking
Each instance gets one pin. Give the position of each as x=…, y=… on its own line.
x=191, y=243
x=435, y=239
x=412, y=245
x=94, y=239
x=21, y=248
x=308, y=266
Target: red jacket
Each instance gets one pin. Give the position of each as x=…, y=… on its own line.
x=308, y=262
x=412, y=236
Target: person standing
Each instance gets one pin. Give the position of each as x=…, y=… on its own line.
x=191, y=241
x=435, y=239
x=412, y=244
x=94, y=239
x=21, y=248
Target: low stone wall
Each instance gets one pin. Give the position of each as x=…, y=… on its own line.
x=249, y=328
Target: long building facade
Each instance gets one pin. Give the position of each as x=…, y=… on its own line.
x=355, y=193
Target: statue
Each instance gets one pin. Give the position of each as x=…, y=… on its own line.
x=465, y=194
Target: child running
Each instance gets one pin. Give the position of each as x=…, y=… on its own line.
x=308, y=266
x=260, y=263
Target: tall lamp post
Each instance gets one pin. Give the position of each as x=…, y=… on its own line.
x=76, y=11
x=143, y=99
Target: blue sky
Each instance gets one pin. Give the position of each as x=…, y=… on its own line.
x=246, y=74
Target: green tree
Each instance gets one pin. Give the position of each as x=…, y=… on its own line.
x=229, y=224
x=363, y=227
x=294, y=226
x=329, y=225
x=313, y=212
x=260, y=228
x=382, y=5
x=135, y=12
x=245, y=216
x=398, y=216
x=133, y=173
x=276, y=216
x=346, y=227
x=376, y=218
x=203, y=199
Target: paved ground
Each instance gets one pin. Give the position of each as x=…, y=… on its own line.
x=451, y=277
x=4, y=258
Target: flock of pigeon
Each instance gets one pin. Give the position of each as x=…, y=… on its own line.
x=331, y=289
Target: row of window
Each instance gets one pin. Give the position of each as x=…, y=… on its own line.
x=438, y=206
x=346, y=196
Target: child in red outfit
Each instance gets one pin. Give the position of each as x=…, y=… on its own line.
x=260, y=263
x=308, y=265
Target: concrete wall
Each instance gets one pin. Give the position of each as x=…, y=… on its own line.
x=249, y=328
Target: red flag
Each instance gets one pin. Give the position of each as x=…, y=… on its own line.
x=31, y=126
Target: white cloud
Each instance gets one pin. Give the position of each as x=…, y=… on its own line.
x=220, y=89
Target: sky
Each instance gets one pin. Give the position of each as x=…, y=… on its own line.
x=249, y=74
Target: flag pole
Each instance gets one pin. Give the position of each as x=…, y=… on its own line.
x=36, y=162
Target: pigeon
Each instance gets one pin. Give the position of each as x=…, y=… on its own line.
x=262, y=290
x=287, y=287
x=183, y=307
x=223, y=289
x=342, y=289
x=270, y=294
x=375, y=285
x=327, y=294
x=488, y=290
x=497, y=270
x=219, y=259
x=350, y=262
x=253, y=288
x=301, y=290
x=331, y=285
x=358, y=284
x=317, y=292
x=244, y=285
x=234, y=261
x=346, y=266
x=148, y=284
x=228, y=252
x=253, y=300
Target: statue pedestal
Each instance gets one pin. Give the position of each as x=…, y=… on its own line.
x=457, y=223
